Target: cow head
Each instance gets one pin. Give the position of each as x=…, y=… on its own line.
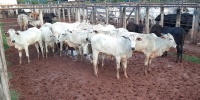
x=132, y=39
x=13, y=35
x=169, y=37
x=156, y=29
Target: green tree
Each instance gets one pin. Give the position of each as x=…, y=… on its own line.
x=20, y=1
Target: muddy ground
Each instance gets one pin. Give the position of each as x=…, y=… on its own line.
x=63, y=78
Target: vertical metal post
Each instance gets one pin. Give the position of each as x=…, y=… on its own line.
x=178, y=17
x=63, y=13
x=147, y=21
x=195, y=26
x=124, y=17
x=69, y=16
x=3, y=71
x=137, y=14
x=107, y=15
x=162, y=16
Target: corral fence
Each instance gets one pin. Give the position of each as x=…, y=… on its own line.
x=70, y=12
x=4, y=87
x=112, y=13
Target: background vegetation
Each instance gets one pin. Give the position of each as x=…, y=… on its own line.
x=4, y=38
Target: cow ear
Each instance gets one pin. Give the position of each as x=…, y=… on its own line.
x=139, y=39
x=6, y=33
x=17, y=33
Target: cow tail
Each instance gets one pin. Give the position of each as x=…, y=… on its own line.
x=183, y=37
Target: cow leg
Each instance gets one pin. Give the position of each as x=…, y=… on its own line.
x=20, y=56
x=124, y=63
x=41, y=48
x=118, y=66
x=81, y=53
x=37, y=48
x=178, y=53
x=95, y=59
x=67, y=48
x=27, y=53
x=181, y=53
x=146, y=63
x=46, y=48
x=61, y=48
x=77, y=54
x=102, y=60
x=150, y=59
x=53, y=49
x=72, y=53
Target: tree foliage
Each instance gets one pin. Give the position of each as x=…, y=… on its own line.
x=20, y=1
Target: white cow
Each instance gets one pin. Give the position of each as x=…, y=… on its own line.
x=22, y=20
x=75, y=39
x=119, y=47
x=36, y=22
x=22, y=39
x=152, y=46
x=47, y=37
x=114, y=33
x=57, y=29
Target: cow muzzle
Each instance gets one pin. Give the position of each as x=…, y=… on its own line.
x=132, y=48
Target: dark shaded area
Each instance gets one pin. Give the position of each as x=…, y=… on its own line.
x=132, y=27
x=48, y=17
x=170, y=20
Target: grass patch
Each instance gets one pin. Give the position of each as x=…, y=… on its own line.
x=5, y=45
x=10, y=75
x=14, y=95
x=188, y=58
x=191, y=59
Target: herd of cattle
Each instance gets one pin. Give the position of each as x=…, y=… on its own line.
x=95, y=41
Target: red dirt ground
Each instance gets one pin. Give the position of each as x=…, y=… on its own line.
x=62, y=78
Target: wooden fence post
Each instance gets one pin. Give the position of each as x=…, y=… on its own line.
x=63, y=13
x=178, y=17
x=69, y=16
x=147, y=21
x=162, y=16
x=3, y=71
x=195, y=26
x=58, y=12
x=120, y=21
x=93, y=15
x=137, y=9
x=85, y=13
x=107, y=15
x=78, y=15
x=54, y=10
x=124, y=17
